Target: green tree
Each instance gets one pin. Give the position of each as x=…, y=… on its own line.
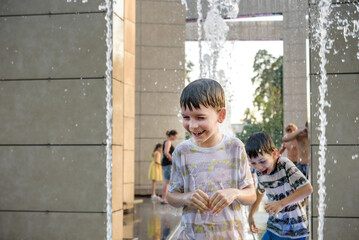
x=268, y=98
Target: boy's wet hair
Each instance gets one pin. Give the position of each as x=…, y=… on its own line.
x=259, y=143
x=206, y=92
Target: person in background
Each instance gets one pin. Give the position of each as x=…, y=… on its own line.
x=168, y=149
x=155, y=170
x=290, y=145
x=302, y=138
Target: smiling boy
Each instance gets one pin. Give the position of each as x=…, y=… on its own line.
x=285, y=187
x=210, y=173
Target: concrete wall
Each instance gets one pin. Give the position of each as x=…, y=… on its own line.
x=160, y=59
x=246, y=7
x=342, y=177
x=52, y=115
x=263, y=30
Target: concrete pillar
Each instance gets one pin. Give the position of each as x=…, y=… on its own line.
x=160, y=59
x=295, y=35
x=52, y=118
x=342, y=177
x=124, y=19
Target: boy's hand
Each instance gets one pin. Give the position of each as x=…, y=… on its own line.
x=199, y=200
x=252, y=224
x=274, y=208
x=221, y=199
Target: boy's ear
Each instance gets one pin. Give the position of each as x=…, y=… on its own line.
x=222, y=115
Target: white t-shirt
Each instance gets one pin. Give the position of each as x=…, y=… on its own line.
x=211, y=169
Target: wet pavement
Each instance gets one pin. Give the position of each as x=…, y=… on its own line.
x=152, y=220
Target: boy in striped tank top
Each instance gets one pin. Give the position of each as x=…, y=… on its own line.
x=285, y=187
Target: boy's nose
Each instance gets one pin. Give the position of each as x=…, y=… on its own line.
x=193, y=125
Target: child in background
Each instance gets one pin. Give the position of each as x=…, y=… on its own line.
x=211, y=177
x=285, y=187
x=155, y=170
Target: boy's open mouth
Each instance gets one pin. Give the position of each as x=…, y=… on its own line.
x=265, y=172
x=198, y=134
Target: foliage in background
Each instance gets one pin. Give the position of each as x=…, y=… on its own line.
x=268, y=98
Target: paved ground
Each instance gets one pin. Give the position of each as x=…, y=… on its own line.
x=152, y=220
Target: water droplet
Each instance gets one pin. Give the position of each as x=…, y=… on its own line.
x=335, y=161
x=65, y=90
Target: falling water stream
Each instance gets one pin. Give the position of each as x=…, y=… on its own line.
x=108, y=75
x=324, y=8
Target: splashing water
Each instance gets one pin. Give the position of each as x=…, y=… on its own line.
x=322, y=38
x=216, y=30
x=199, y=30
x=108, y=74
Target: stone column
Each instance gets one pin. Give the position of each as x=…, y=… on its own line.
x=52, y=118
x=295, y=35
x=342, y=176
x=160, y=55
x=124, y=19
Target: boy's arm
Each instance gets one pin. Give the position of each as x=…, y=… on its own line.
x=197, y=199
x=296, y=196
x=290, y=136
x=255, y=205
x=254, y=208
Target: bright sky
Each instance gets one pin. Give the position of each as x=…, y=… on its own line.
x=236, y=60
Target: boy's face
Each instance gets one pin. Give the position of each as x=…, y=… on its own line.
x=202, y=124
x=265, y=163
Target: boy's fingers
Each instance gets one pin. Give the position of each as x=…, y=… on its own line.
x=202, y=206
x=220, y=206
x=203, y=195
x=214, y=200
x=254, y=228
